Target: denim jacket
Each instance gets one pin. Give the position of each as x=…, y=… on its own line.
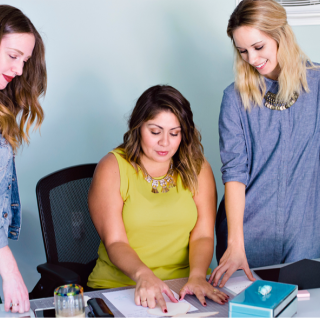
x=10, y=208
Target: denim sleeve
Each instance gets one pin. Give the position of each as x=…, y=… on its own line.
x=3, y=238
x=233, y=149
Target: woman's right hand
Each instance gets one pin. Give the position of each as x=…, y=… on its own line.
x=14, y=289
x=149, y=288
x=15, y=293
x=233, y=259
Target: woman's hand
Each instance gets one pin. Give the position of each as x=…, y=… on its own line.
x=14, y=289
x=233, y=259
x=201, y=288
x=15, y=293
x=149, y=288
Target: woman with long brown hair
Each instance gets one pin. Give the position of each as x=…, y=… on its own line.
x=22, y=80
x=153, y=203
x=269, y=144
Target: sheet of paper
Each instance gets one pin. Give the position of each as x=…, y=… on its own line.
x=197, y=315
x=238, y=284
x=123, y=300
x=172, y=308
x=86, y=298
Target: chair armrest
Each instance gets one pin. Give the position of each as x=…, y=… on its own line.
x=58, y=273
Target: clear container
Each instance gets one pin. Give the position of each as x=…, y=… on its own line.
x=68, y=301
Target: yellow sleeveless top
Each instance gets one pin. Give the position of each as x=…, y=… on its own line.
x=158, y=228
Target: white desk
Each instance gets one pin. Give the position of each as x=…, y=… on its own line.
x=306, y=308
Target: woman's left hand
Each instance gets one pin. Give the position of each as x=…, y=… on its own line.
x=201, y=288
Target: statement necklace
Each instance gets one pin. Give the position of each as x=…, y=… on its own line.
x=166, y=182
x=274, y=104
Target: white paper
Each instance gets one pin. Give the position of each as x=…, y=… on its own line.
x=86, y=298
x=238, y=284
x=123, y=300
x=173, y=309
x=197, y=315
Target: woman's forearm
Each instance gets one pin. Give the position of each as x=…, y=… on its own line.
x=235, y=204
x=200, y=256
x=120, y=253
x=8, y=264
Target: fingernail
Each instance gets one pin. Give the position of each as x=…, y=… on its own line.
x=220, y=286
x=205, y=304
x=165, y=310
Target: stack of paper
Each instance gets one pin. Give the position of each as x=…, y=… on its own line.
x=123, y=300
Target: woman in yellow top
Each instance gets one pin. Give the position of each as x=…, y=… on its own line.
x=153, y=203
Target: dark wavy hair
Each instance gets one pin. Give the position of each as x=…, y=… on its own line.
x=189, y=157
x=19, y=101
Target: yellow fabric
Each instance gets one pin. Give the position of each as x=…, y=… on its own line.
x=158, y=228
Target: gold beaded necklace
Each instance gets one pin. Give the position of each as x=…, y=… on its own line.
x=274, y=104
x=166, y=182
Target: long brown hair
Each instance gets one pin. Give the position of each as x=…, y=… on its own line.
x=19, y=101
x=269, y=17
x=189, y=157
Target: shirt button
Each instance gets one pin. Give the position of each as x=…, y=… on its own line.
x=9, y=187
x=5, y=215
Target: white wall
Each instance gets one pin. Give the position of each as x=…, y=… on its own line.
x=101, y=55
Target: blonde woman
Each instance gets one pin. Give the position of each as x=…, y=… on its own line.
x=269, y=143
x=161, y=228
x=23, y=79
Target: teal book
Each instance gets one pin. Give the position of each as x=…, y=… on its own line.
x=265, y=299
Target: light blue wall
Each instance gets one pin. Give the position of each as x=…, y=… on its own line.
x=101, y=55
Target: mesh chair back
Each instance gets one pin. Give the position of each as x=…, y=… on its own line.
x=69, y=235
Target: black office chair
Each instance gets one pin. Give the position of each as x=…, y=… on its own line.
x=70, y=238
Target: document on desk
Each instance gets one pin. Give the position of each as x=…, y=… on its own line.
x=123, y=300
x=238, y=284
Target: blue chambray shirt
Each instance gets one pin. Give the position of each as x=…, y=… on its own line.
x=276, y=155
x=10, y=208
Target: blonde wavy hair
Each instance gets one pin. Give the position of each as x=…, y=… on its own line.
x=19, y=104
x=269, y=17
x=189, y=157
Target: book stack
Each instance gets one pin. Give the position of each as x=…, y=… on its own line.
x=265, y=299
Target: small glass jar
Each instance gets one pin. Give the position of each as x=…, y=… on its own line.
x=69, y=302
